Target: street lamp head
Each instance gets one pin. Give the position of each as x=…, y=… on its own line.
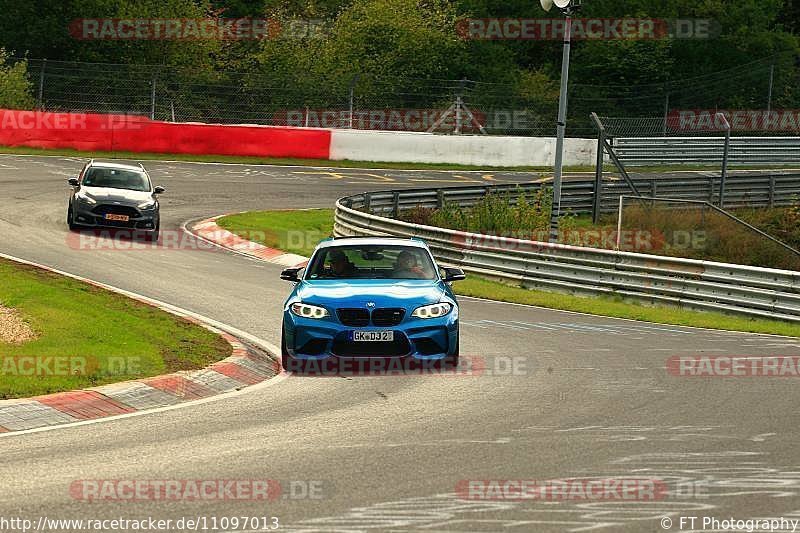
x=567, y=6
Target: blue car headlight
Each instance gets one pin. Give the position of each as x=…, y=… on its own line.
x=308, y=311
x=432, y=311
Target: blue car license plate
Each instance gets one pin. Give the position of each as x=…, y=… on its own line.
x=372, y=336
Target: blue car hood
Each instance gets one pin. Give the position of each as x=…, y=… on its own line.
x=384, y=293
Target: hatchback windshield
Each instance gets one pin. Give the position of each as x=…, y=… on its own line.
x=372, y=262
x=115, y=178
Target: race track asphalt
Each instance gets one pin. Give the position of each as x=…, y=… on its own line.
x=586, y=397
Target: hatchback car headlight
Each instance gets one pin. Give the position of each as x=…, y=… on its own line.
x=432, y=311
x=309, y=311
x=85, y=198
x=147, y=204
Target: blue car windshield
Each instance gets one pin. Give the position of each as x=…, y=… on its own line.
x=115, y=178
x=372, y=262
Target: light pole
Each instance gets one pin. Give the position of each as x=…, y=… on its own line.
x=567, y=7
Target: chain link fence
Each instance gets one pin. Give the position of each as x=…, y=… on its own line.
x=363, y=102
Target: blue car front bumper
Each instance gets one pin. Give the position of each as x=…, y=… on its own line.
x=414, y=338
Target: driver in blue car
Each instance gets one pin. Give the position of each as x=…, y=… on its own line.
x=341, y=267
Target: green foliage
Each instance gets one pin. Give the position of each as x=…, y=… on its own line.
x=516, y=215
x=708, y=235
x=41, y=29
x=411, y=44
x=15, y=88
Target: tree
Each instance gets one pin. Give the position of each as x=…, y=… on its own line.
x=15, y=88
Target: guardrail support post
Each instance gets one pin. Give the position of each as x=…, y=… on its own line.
x=598, y=177
x=153, y=98
x=439, y=198
x=619, y=221
x=367, y=202
x=771, y=191
x=725, y=150
x=40, y=99
x=395, y=204
x=710, y=189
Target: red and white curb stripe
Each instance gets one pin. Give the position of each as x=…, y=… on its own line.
x=245, y=366
x=209, y=231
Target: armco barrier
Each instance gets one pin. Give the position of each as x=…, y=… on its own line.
x=637, y=151
x=759, y=190
x=704, y=285
x=109, y=133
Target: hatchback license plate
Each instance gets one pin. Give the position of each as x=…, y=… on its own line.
x=121, y=218
x=373, y=336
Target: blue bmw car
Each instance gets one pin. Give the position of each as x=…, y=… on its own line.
x=368, y=298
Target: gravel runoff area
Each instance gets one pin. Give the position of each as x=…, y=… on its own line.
x=14, y=330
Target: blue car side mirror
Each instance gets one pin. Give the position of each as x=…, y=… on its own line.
x=454, y=274
x=290, y=274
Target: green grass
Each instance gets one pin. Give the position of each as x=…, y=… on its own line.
x=295, y=231
x=615, y=307
x=318, y=223
x=110, y=336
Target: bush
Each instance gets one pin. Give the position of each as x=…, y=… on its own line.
x=723, y=239
x=519, y=215
x=16, y=91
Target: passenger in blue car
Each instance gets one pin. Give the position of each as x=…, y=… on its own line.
x=406, y=267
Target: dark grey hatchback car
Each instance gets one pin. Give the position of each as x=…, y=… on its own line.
x=114, y=195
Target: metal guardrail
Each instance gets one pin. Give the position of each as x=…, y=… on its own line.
x=639, y=151
x=704, y=285
x=774, y=190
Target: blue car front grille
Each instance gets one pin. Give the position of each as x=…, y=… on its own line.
x=388, y=316
x=381, y=317
x=353, y=317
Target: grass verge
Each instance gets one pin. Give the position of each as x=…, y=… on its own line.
x=615, y=307
x=289, y=161
x=295, y=231
x=88, y=336
x=298, y=231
